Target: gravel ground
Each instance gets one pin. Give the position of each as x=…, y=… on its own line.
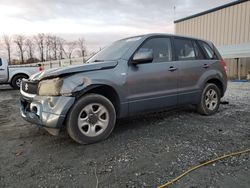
x=144, y=151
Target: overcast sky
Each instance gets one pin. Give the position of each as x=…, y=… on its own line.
x=99, y=21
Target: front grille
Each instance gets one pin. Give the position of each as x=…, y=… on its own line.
x=29, y=86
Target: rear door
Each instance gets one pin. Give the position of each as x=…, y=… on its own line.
x=153, y=85
x=3, y=71
x=193, y=64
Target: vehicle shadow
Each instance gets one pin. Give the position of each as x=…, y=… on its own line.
x=6, y=88
x=125, y=126
x=146, y=120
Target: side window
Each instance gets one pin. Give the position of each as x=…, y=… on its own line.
x=161, y=49
x=184, y=49
x=209, y=51
x=198, y=53
x=0, y=62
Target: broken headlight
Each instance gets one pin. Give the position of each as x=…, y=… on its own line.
x=50, y=87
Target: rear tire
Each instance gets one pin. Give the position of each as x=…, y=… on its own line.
x=210, y=100
x=16, y=81
x=91, y=119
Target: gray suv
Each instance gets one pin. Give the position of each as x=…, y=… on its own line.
x=133, y=75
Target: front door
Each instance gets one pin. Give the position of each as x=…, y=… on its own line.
x=153, y=85
x=3, y=71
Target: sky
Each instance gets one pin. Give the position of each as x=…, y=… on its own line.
x=100, y=22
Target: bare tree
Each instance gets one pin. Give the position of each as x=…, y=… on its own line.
x=48, y=46
x=40, y=42
x=19, y=40
x=54, y=46
x=61, y=43
x=43, y=46
x=69, y=49
x=7, y=45
x=29, y=43
x=82, y=47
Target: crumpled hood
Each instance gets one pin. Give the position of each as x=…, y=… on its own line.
x=55, y=72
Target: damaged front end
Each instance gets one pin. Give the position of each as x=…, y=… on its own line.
x=47, y=96
x=49, y=112
x=47, y=102
x=43, y=105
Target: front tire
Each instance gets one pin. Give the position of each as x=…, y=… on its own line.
x=210, y=100
x=91, y=119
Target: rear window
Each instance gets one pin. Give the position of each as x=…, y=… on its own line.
x=208, y=50
x=184, y=49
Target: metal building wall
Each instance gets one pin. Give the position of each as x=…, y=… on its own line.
x=227, y=26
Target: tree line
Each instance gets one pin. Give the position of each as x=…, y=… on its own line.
x=41, y=47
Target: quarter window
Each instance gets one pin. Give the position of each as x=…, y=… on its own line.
x=161, y=49
x=184, y=49
x=198, y=53
x=209, y=51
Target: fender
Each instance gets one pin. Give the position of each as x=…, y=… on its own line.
x=84, y=81
x=16, y=72
x=211, y=74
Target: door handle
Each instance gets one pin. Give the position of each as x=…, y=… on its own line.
x=1, y=69
x=205, y=66
x=171, y=69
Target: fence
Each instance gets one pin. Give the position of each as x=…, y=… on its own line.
x=62, y=62
x=58, y=63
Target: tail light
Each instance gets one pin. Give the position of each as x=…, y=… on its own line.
x=223, y=63
x=40, y=68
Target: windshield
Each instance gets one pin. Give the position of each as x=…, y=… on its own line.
x=115, y=51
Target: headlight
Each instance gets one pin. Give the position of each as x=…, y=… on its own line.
x=33, y=76
x=37, y=76
x=50, y=87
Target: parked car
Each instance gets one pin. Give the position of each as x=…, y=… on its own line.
x=133, y=75
x=14, y=74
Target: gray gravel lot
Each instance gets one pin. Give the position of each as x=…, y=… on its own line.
x=143, y=151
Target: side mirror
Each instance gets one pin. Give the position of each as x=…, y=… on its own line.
x=144, y=55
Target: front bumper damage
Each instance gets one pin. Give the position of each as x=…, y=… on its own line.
x=46, y=111
x=46, y=104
